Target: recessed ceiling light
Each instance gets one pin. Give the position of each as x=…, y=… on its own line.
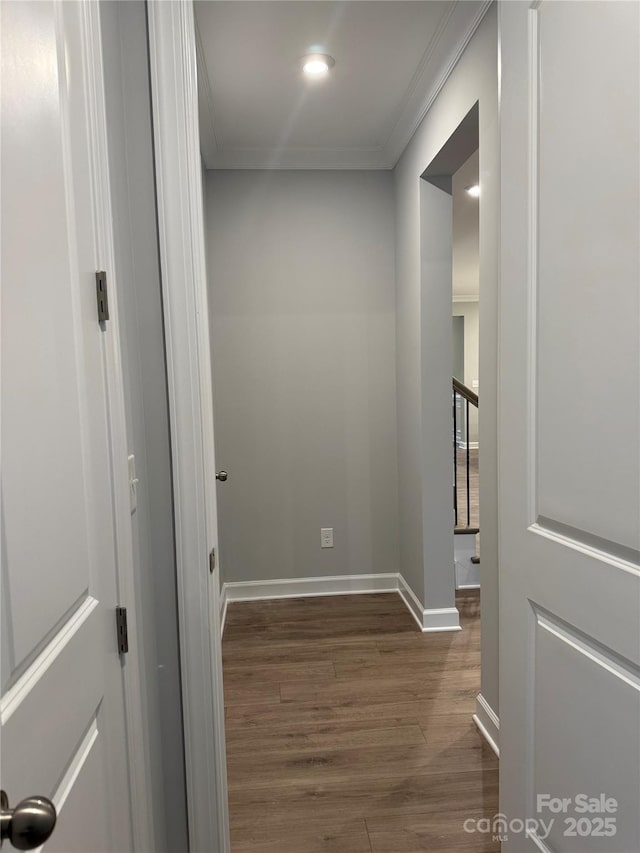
x=473, y=190
x=317, y=64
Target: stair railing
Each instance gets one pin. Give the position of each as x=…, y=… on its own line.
x=465, y=396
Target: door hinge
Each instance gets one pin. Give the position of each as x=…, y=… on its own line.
x=212, y=560
x=122, y=633
x=102, y=297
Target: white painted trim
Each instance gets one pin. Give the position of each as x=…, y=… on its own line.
x=224, y=606
x=411, y=600
x=304, y=587
x=172, y=52
x=464, y=31
x=439, y=619
x=15, y=695
x=70, y=777
x=443, y=619
x=138, y=751
x=488, y=723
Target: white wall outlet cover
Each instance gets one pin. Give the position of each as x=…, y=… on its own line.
x=326, y=537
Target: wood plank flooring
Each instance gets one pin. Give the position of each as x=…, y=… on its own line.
x=350, y=731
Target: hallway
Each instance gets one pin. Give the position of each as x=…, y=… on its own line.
x=350, y=731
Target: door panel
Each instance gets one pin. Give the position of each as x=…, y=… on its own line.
x=572, y=672
x=62, y=705
x=55, y=671
x=587, y=249
x=81, y=827
x=41, y=399
x=569, y=422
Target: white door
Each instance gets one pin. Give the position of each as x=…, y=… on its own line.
x=62, y=706
x=569, y=426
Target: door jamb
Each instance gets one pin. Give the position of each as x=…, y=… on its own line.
x=172, y=54
x=138, y=758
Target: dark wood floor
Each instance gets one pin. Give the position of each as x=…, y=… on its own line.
x=350, y=731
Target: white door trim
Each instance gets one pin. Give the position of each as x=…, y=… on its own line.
x=184, y=288
x=488, y=723
x=138, y=758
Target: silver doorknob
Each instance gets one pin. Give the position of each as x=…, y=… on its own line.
x=29, y=824
x=222, y=476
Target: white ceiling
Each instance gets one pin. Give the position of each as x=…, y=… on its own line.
x=466, y=233
x=257, y=110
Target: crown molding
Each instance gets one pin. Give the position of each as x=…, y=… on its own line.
x=417, y=83
x=452, y=35
x=456, y=35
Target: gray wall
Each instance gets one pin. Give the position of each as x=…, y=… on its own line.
x=458, y=346
x=435, y=459
x=466, y=272
x=124, y=37
x=302, y=303
x=470, y=311
x=473, y=79
x=466, y=232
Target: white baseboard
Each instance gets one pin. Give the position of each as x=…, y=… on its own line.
x=303, y=587
x=224, y=603
x=411, y=600
x=442, y=619
x=488, y=723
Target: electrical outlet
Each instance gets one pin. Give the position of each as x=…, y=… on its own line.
x=326, y=537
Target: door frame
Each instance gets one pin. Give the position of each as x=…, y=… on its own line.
x=138, y=757
x=172, y=50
